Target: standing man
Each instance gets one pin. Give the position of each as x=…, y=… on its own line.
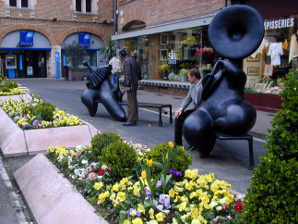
x=194, y=95
x=116, y=69
x=131, y=70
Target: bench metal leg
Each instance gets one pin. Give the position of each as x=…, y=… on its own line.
x=171, y=117
x=251, y=153
x=160, y=117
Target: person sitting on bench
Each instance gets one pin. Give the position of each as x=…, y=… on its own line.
x=194, y=95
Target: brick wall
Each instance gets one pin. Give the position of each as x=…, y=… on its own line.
x=154, y=12
x=40, y=19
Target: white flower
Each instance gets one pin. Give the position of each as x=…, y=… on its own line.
x=213, y=204
x=84, y=161
x=223, y=200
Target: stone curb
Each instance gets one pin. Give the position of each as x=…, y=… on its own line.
x=14, y=197
x=35, y=141
x=50, y=197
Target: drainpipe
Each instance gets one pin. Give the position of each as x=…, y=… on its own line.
x=115, y=17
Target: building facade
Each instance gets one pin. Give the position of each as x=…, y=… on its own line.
x=171, y=36
x=34, y=33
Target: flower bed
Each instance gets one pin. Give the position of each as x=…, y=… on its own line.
x=8, y=87
x=129, y=183
x=37, y=125
x=30, y=114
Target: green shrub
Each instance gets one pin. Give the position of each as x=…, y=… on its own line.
x=45, y=110
x=272, y=196
x=99, y=141
x=157, y=153
x=10, y=84
x=4, y=89
x=121, y=158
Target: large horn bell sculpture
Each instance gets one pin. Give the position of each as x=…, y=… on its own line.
x=234, y=33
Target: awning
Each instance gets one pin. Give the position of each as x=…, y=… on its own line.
x=167, y=27
x=12, y=41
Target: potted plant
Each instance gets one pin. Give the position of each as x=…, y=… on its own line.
x=75, y=54
x=164, y=70
x=109, y=51
x=183, y=73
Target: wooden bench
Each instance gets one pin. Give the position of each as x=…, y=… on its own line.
x=247, y=137
x=158, y=106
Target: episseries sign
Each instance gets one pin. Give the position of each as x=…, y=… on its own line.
x=84, y=39
x=26, y=38
x=279, y=23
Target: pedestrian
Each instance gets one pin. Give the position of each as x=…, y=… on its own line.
x=131, y=73
x=116, y=70
x=194, y=95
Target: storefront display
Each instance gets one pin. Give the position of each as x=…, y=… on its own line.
x=267, y=66
x=169, y=56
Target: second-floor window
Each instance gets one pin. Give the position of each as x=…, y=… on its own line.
x=19, y=3
x=83, y=5
x=13, y=3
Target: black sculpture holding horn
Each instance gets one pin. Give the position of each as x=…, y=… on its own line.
x=234, y=33
x=100, y=88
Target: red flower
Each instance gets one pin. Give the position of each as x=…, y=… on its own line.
x=238, y=207
x=101, y=172
x=94, y=171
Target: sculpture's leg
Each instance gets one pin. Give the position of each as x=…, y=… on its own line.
x=110, y=102
x=236, y=118
x=89, y=98
x=198, y=132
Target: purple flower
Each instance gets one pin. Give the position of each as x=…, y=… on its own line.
x=147, y=192
x=36, y=122
x=25, y=126
x=171, y=171
x=159, y=183
x=131, y=211
x=179, y=174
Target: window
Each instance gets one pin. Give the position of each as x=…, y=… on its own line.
x=24, y=3
x=78, y=6
x=85, y=6
x=13, y=3
x=88, y=5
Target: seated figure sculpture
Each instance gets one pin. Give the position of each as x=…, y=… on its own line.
x=100, y=88
x=234, y=33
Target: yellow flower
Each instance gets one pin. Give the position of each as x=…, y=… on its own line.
x=160, y=216
x=149, y=162
x=141, y=208
x=98, y=186
x=116, y=187
x=126, y=221
x=144, y=174
x=171, y=144
x=181, y=207
x=192, y=174
x=121, y=196
x=137, y=221
x=172, y=193
x=153, y=221
x=151, y=213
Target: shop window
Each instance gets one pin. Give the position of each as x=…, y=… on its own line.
x=269, y=64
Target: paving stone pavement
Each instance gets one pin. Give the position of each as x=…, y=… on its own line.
x=228, y=159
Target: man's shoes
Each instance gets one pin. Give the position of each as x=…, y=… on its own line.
x=130, y=123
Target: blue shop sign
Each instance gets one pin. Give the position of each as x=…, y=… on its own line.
x=84, y=39
x=26, y=38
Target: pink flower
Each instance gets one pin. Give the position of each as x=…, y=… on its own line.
x=238, y=207
x=88, y=169
x=229, y=217
x=91, y=176
x=78, y=153
x=123, y=139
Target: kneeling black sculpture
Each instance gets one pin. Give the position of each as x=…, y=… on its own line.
x=234, y=33
x=100, y=88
